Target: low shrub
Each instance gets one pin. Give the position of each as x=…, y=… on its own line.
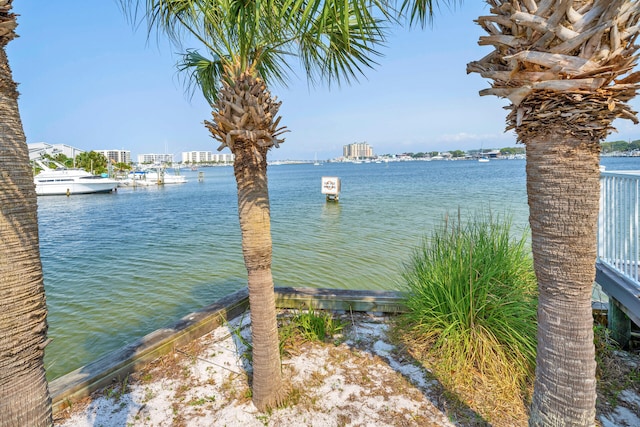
x=307, y=325
x=471, y=297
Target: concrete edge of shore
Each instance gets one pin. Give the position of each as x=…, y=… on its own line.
x=113, y=367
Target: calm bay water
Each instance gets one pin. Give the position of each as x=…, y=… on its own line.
x=119, y=266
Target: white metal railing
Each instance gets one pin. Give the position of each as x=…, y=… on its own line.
x=618, y=223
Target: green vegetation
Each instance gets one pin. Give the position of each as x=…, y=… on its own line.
x=460, y=154
x=60, y=158
x=296, y=328
x=123, y=167
x=118, y=390
x=92, y=161
x=305, y=326
x=471, y=296
x=616, y=371
x=509, y=151
x=620, y=146
x=607, y=147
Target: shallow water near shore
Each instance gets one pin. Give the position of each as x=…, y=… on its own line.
x=118, y=266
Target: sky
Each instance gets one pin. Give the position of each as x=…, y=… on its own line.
x=89, y=79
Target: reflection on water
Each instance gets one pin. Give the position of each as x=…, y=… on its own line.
x=331, y=214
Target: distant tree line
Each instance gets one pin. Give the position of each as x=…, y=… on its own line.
x=620, y=146
x=507, y=151
x=607, y=147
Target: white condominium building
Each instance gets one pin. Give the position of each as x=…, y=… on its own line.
x=196, y=156
x=116, y=156
x=206, y=157
x=155, y=158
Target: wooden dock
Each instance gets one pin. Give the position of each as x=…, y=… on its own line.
x=624, y=302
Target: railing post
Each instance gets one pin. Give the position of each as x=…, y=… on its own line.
x=618, y=262
x=619, y=324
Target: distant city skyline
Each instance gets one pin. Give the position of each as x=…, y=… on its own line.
x=354, y=151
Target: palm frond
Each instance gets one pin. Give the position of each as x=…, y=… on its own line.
x=273, y=65
x=171, y=17
x=330, y=51
x=421, y=11
x=336, y=40
x=202, y=72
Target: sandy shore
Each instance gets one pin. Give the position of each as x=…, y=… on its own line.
x=361, y=381
x=358, y=382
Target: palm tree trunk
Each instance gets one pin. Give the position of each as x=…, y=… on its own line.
x=255, y=224
x=563, y=186
x=24, y=394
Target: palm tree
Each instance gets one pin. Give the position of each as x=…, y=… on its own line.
x=247, y=46
x=92, y=161
x=565, y=66
x=24, y=394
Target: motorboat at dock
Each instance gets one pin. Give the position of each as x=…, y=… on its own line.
x=149, y=176
x=65, y=181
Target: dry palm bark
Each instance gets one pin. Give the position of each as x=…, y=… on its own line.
x=567, y=68
x=24, y=395
x=245, y=120
x=559, y=59
x=246, y=112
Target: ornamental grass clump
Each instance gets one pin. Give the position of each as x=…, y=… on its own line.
x=306, y=326
x=471, y=299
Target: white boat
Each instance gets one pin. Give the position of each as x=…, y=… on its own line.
x=136, y=179
x=64, y=181
x=482, y=158
x=153, y=177
x=168, y=178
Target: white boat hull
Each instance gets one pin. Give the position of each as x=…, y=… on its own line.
x=152, y=178
x=55, y=189
x=175, y=179
x=68, y=182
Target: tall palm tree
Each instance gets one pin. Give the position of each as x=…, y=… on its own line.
x=24, y=394
x=566, y=67
x=247, y=45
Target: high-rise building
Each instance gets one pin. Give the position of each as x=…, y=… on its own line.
x=196, y=156
x=116, y=156
x=222, y=157
x=358, y=150
x=155, y=158
x=206, y=157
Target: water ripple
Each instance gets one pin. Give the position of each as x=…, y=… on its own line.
x=118, y=266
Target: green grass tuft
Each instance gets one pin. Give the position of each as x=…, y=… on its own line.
x=471, y=294
x=305, y=326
